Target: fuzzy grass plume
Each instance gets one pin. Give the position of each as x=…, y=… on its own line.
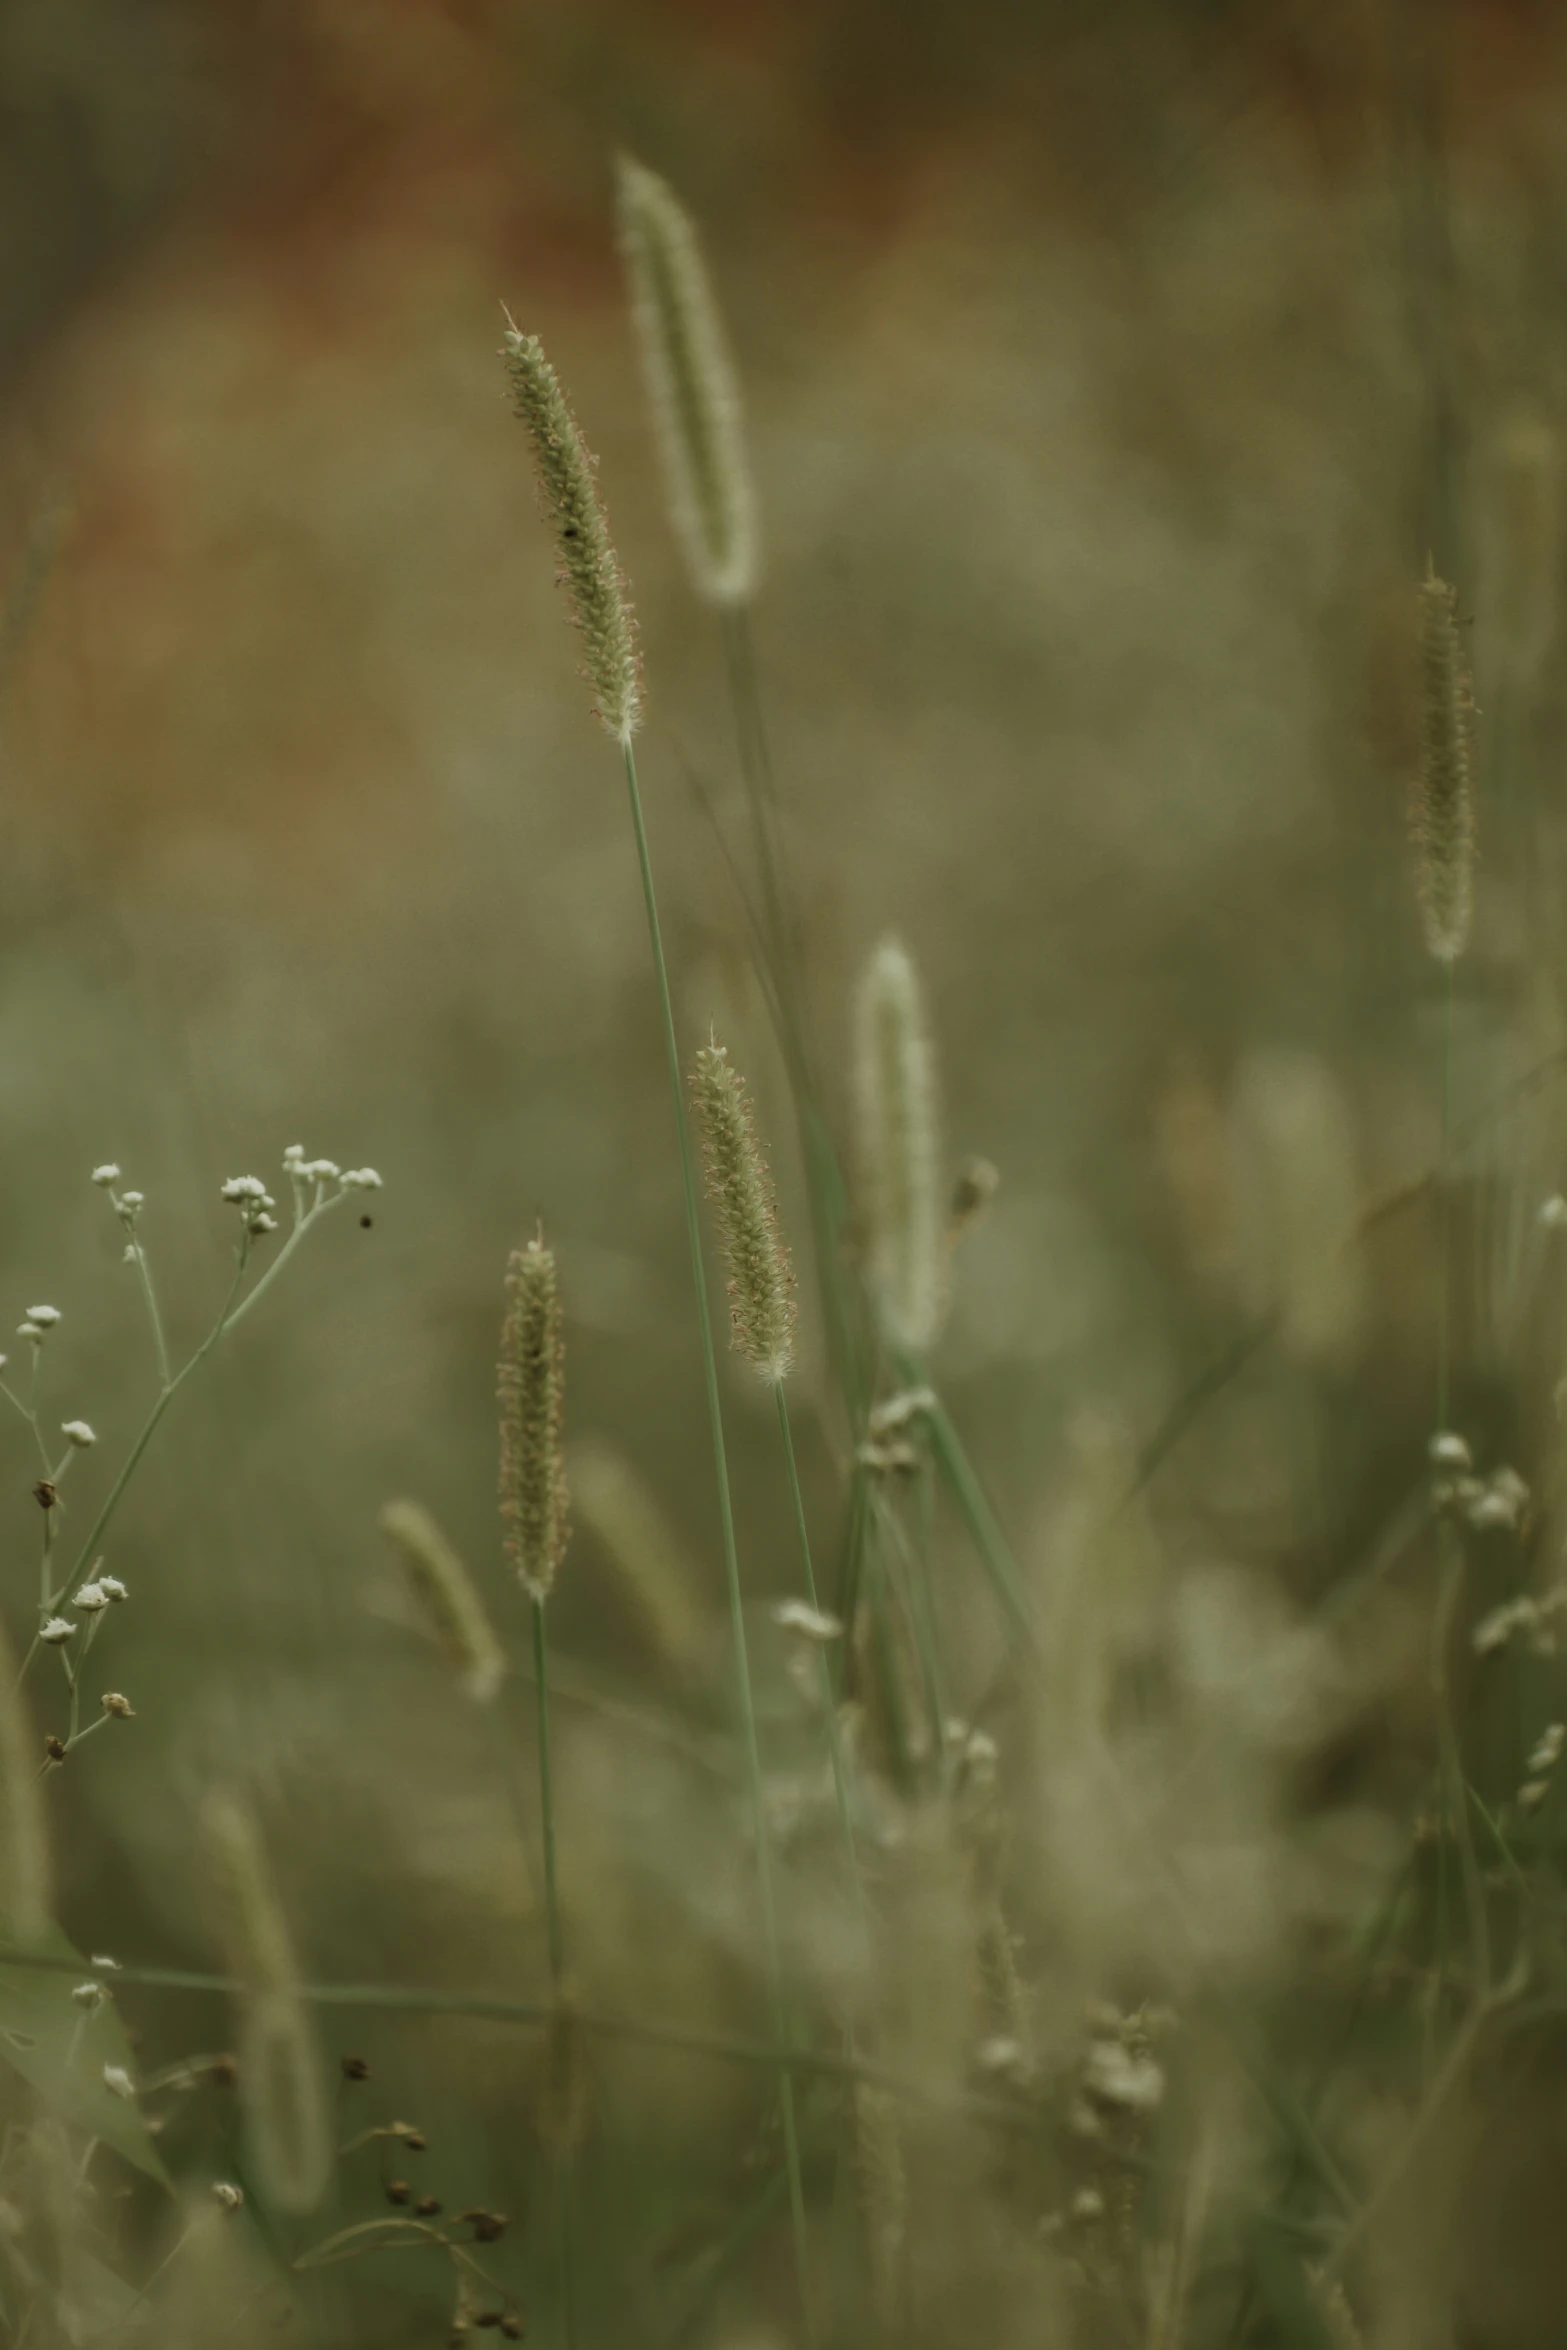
x=589, y=569
x=650, y=1562
x=447, y=1598
x=740, y=1184
x=532, y=1384
x=1443, y=812
x=279, y=2063
x=691, y=386
x=895, y=1099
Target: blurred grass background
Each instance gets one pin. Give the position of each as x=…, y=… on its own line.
x=1090, y=369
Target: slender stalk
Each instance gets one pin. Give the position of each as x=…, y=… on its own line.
x=546, y=1793
x=1445, y=1198
x=560, y=2195
x=840, y=1779
x=731, y=1553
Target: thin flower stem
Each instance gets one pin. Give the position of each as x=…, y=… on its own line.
x=731, y=1553
x=834, y=1742
x=546, y=1792
x=150, y=1295
x=1444, y=1194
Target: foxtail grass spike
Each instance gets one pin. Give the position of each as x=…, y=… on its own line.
x=740, y=1184
x=532, y=1382
x=24, y=1846
x=1443, y=817
x=650, y=1563
x=279, y=2063
x=589, y=569
x=895, y=1087
x=447, y=1598
x=691, y=387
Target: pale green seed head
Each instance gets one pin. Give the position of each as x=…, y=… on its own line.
x=740, y=1184
x=900, y=1154
x=531, y=1395
x=692, y=387
x=1443, y=811
x=594, y=583
x=448, y=1599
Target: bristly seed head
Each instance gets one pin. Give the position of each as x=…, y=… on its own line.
x=450, y=1603
x=691, y=385
x=532, y=1386
x=740, y=1184
x=895, y=1089
x=1442, y=815
x=590, y=572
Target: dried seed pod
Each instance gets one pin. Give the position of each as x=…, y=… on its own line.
x=590, y=571
x=691, y=385
x=532, y=1381
x=895, y=1087
x=448, y=1598
x=740, y=1184
x=1442, y=818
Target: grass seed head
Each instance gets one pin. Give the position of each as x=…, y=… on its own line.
x=589, y=569
x=24, y=1848
x=740, y=1183
x=532, y=1385
x=448, y=1599
x=895, y=1099
x=1443, y=812
x=691, y=386
x=279, y=2064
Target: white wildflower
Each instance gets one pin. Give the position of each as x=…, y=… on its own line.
x=88, y=1995
x=116, y=2077
x=106, y=1175
x=1117, y=2076
x=322, y=1170
x=90, y=1598
x=240, y=1188
x=112, y=1588
x=361, y=1179
x=1450, y=1452
x=57, y=1631
x=230, y=2197
x=262, y=1223
x=812, y=1623
x=78, y=1433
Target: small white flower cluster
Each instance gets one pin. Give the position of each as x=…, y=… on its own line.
x=1547, y=1754
x=103, y=1591
x=37, y=1323
x=809, y=1623
x=1499, y=1501
x=974, y=1752
x=1120, y=2074
x=303, y=1172
x=127, y=1205
x=1530, y=1620
x=255, y=1203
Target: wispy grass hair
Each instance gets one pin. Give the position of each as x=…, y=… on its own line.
x=451, y=1605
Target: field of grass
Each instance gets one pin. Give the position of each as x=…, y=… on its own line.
x=853, y=1637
